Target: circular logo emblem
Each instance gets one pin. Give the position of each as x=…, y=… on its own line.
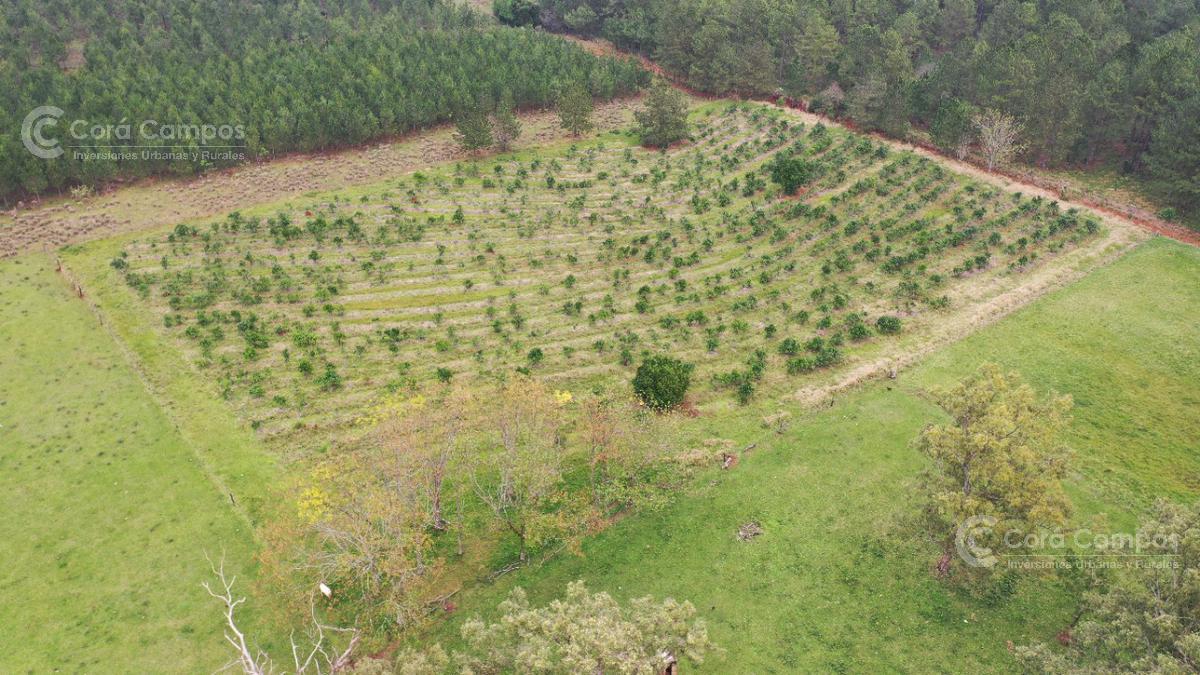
x=965, y=541
x=31, y=131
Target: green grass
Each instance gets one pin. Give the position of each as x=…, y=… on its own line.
x=840, y=581
x=232, y=458
x=1124, y=342
x=107, y=513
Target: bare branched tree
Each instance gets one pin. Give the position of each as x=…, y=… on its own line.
x=423, y=443
x=252, y=661
x=522, y=470
x=963, y=148
x=998, y=136
x=318, y=655
x=321, y=656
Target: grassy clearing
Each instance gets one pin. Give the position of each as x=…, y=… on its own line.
x=107, y=513
x=840, y=582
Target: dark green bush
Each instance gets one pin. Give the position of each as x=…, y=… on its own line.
x=791, y=172
x=887, y=325
x=516, y=12
x=330, y=380
x=662, y=381
x=789, y=347
x=536, y=356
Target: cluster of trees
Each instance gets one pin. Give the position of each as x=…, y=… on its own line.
x=482, y=124
x=1146, y=620
x=1000, y=456
x=293, y=77
x=479, y=126
x=1087, y=81
x=375, y=521
x=661, y=122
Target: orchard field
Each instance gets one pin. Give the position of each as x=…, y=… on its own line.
x=570, y=264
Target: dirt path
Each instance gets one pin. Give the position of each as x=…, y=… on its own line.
x=163, y=201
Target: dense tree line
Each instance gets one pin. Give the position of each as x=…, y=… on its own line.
x=1088, y=81
x=295, y=76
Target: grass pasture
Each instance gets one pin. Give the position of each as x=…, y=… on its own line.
x=1124, y=343
x=839, y=582
x=573, y=263
x=107, y=512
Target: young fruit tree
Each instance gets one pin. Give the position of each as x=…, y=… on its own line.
x=1146, y=621
x=575, y=109
x=663, y=120
x=999, y=458
x=999, y=135
x=791, y=172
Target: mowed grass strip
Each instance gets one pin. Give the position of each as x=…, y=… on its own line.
x=107, y=515
x=842, y=581
x=425, y=299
